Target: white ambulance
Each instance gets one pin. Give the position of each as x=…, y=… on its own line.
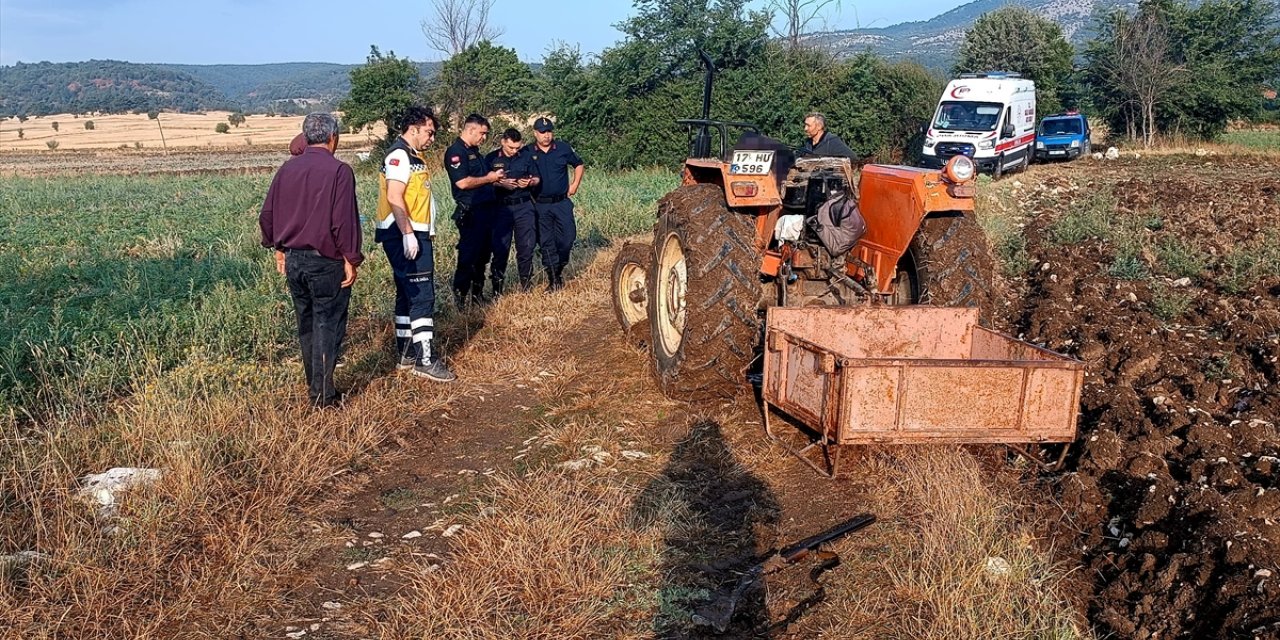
x=990, y=117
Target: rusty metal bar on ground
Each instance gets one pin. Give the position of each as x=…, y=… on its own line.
x=719, y=614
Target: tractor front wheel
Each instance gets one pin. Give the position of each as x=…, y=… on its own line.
x=948, y=264
x=704, y=291
x=631, y=290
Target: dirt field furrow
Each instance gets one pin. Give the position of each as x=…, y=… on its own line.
x=1169, y=295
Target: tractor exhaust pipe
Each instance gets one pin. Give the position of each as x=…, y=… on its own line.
x=706, y=87
x=702, y=139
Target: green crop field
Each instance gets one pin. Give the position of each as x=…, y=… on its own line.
x=1262, y=140
x=113, y=279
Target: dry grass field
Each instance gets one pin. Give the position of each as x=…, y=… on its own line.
x=133, y=131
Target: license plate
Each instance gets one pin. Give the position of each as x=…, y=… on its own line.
x=1057, y=153
x=751, y=163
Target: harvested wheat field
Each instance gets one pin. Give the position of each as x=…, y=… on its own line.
x=138, y=131
x=554, y=492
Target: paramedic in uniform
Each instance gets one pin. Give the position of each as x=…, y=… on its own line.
x=406, y=227
x=515, y=210
x=553, y=159
x=472, y=184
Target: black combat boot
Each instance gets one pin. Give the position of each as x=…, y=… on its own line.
x=497, y=289
x=559, y=278
x=551, y=281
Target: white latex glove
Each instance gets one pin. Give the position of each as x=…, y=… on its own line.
x=410, y=246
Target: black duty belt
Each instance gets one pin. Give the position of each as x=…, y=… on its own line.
x=551, y=199
x=517, y=199
x=305, y=252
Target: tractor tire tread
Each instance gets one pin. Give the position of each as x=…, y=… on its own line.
x=955, y=264
x=722, y=327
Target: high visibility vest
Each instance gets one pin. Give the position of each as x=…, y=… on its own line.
x=405, y=164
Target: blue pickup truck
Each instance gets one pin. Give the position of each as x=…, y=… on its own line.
x=1063, y=137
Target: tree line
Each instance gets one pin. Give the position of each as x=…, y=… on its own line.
x=1166, y=68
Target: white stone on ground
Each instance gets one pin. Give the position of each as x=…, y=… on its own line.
x=101, y=488
x=576, y=465
x=998, y=566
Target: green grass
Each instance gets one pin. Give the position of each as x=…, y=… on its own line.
x=1263, y=140
x=1090, y=216
x=1170, y=304
x=112, y=280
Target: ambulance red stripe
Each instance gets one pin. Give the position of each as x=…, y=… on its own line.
x=1005, y=146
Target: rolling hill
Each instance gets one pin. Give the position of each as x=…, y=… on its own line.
x=101, y=85
x=933, y=42
x=112, y=86
x=260, y=88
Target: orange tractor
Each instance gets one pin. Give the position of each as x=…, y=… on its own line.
x=745, y=232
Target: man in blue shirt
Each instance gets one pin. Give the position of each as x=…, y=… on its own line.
x=472, y=184
x=515, y=210
x=553, y=160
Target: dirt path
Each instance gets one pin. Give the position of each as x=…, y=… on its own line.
x=439, y=477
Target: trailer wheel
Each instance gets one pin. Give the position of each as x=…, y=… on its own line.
x=952, y=263
x=631, y=291
x=704, y=290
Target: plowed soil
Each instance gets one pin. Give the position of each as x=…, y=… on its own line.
x=1171, y=495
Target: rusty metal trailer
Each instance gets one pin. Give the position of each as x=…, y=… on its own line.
x=912, y=375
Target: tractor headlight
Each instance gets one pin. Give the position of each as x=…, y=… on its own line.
x=928, y=142
x=1075, y=144
x=1039, y=145
x=959, y=169
x=987, y=144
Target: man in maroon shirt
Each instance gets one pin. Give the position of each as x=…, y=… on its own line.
x=311, y=219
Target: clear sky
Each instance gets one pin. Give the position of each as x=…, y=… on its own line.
x=259, y=31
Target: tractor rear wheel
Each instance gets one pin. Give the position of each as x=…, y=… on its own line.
x=704, y=290
x=952, y=265
x=631, y=290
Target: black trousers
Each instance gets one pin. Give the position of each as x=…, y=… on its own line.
x=557, y=231
x=415, y=296
x=525, y=224
x=321, y=303
x=500, y=244
x=474, y=248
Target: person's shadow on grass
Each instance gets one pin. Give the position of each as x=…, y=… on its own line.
x=718, y=518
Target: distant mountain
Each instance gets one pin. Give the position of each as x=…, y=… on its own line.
x=112, y=86
x=101, y=85
x=933, y=42
x=275, y=87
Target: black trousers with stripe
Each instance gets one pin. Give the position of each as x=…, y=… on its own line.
x=415, y=296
